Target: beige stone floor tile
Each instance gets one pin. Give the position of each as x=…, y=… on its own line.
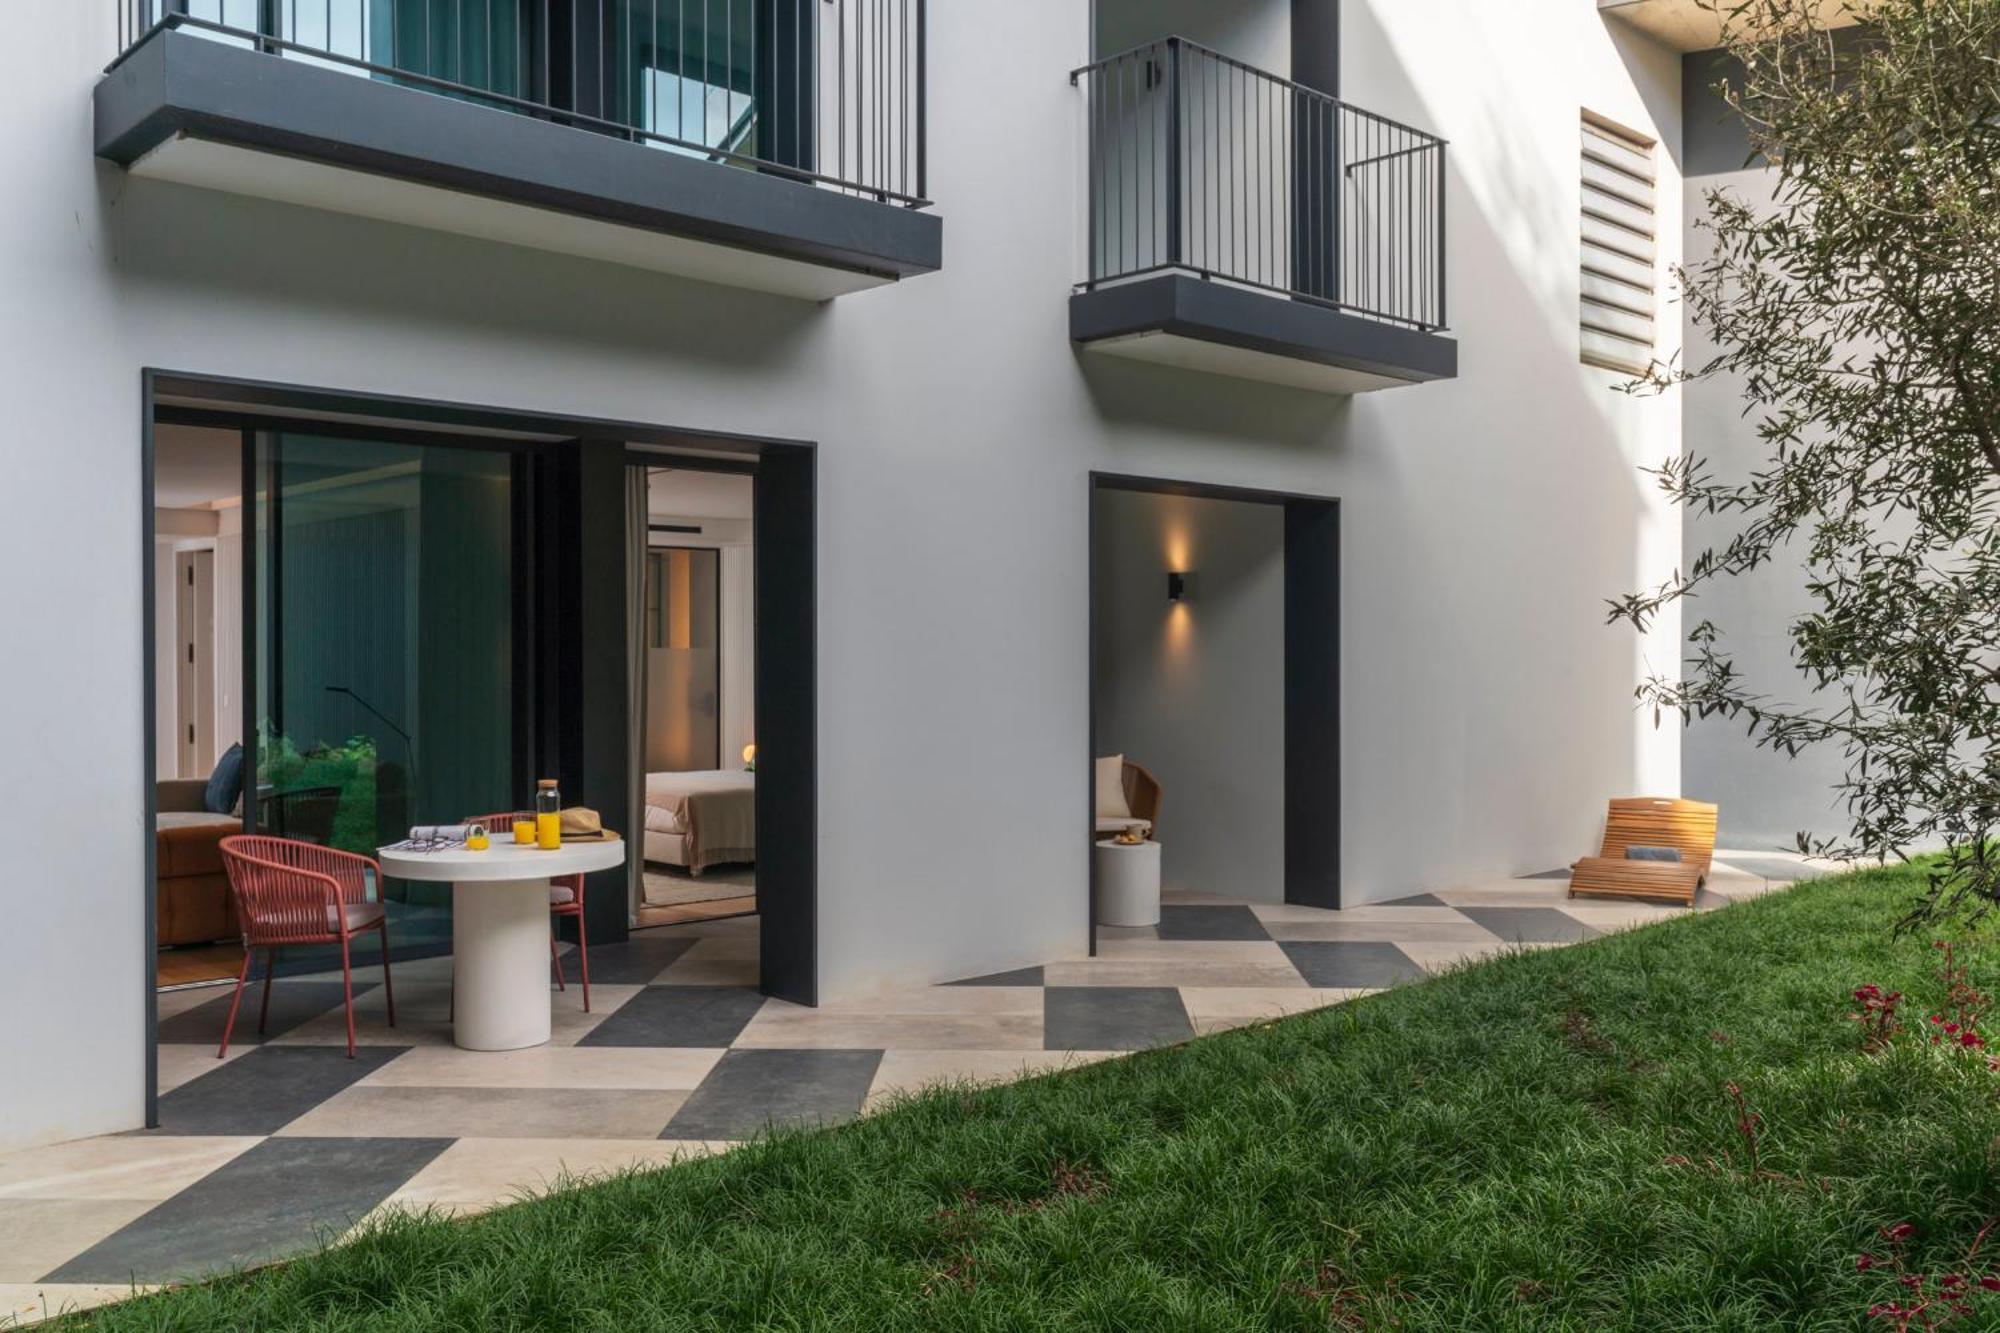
x=172, y=1002
x=423, y=1017
x=1606, y=915
x=139, y=1166
x=789, y=1026
x=181, y=1064
x=25, y=1303
x=692, y=971
x=502, y=1113
x=735, y=947
x=1260, y=1002
x=1461, y=931
x=1166, y=972
x=906, y=1071
x=633, y=1067
x=1287, y=913
x=1436, y=957
x=37, y=1235
x=1187, y=951
x=929, y=1001
x=1555, y=895
x=1194, y=898
x=475, y=1174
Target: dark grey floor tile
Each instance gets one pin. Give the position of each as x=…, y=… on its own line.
x=1357, y=963
x=750, y=1090
x=1773, y=867
x=1112, y=1018
x=1414, y=900
x=1531, y=925
x=637, y=962
x=1020, y=976
x=1560, y=873
x=1210, y=923
x=277, y=1199
x=677, y=1016
x=292, y=1004
x=268, y=1088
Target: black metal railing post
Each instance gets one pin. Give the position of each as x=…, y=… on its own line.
x=1172, y=199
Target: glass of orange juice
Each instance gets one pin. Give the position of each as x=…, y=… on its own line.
x=524, y=831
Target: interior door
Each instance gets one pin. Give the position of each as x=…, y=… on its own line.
x=194, y=661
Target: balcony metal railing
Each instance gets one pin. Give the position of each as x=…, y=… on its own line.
x=1202, y=164
x=830, y=92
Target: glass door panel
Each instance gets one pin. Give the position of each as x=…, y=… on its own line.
x=385, y=648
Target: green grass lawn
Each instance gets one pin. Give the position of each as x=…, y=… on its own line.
x=1546, y=1140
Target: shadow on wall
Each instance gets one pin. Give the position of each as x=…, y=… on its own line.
x=390, y=277
x=1487, y=520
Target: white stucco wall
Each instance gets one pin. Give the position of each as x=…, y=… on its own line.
x=1767, y=798
x=1486, y=520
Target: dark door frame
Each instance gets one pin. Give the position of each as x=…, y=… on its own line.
x=594, y=731
x=1312, y=677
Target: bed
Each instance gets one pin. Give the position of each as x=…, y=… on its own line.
x=701, y=819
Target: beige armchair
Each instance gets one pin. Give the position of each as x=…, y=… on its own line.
x=1142, y=800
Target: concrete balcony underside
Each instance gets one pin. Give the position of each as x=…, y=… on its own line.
x=1696, y=25
x=201, y=112
x=1198, y=324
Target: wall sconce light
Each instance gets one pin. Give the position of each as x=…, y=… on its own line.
x=1177, y=585
x=750, y=758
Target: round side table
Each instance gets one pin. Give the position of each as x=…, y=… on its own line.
x=500, y=932
x=1126, y=883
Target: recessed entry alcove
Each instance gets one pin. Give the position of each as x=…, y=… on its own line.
x=1215, y=645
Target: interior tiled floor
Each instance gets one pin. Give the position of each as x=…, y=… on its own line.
x=288, y=1140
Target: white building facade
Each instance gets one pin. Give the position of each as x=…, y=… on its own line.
x=1487, y=511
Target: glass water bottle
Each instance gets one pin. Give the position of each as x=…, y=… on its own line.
x=548, y=815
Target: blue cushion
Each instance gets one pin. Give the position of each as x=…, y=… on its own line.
x=225, y=784
x=1652, y=854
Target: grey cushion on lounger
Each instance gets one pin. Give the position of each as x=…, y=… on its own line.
x=1652, y=854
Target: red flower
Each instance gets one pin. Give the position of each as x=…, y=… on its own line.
x=1901, y=1231
x=1864, y=1262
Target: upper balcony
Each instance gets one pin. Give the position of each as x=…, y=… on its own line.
x=776, y=145
x=1245, y=224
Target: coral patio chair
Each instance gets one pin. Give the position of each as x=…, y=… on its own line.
x=565, y=899
x=1688, y=827
x=290, y=893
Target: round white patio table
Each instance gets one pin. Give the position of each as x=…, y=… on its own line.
x=500, y=931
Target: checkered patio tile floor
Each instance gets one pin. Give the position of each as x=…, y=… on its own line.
x=258, y=1156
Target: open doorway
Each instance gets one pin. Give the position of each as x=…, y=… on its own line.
x=198, y=696
x=1215, y=698
x=695, y=727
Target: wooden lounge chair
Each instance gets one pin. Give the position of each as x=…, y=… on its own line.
x=1648, y=821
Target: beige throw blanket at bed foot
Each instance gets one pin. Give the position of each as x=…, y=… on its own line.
x=717, y=812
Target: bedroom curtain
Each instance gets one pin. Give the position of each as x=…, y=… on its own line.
x=637, y=537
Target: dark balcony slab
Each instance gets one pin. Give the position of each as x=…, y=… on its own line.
x=1206, y=325
x=187, y=108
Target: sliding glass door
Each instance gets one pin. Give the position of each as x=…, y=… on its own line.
x=384, y=641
